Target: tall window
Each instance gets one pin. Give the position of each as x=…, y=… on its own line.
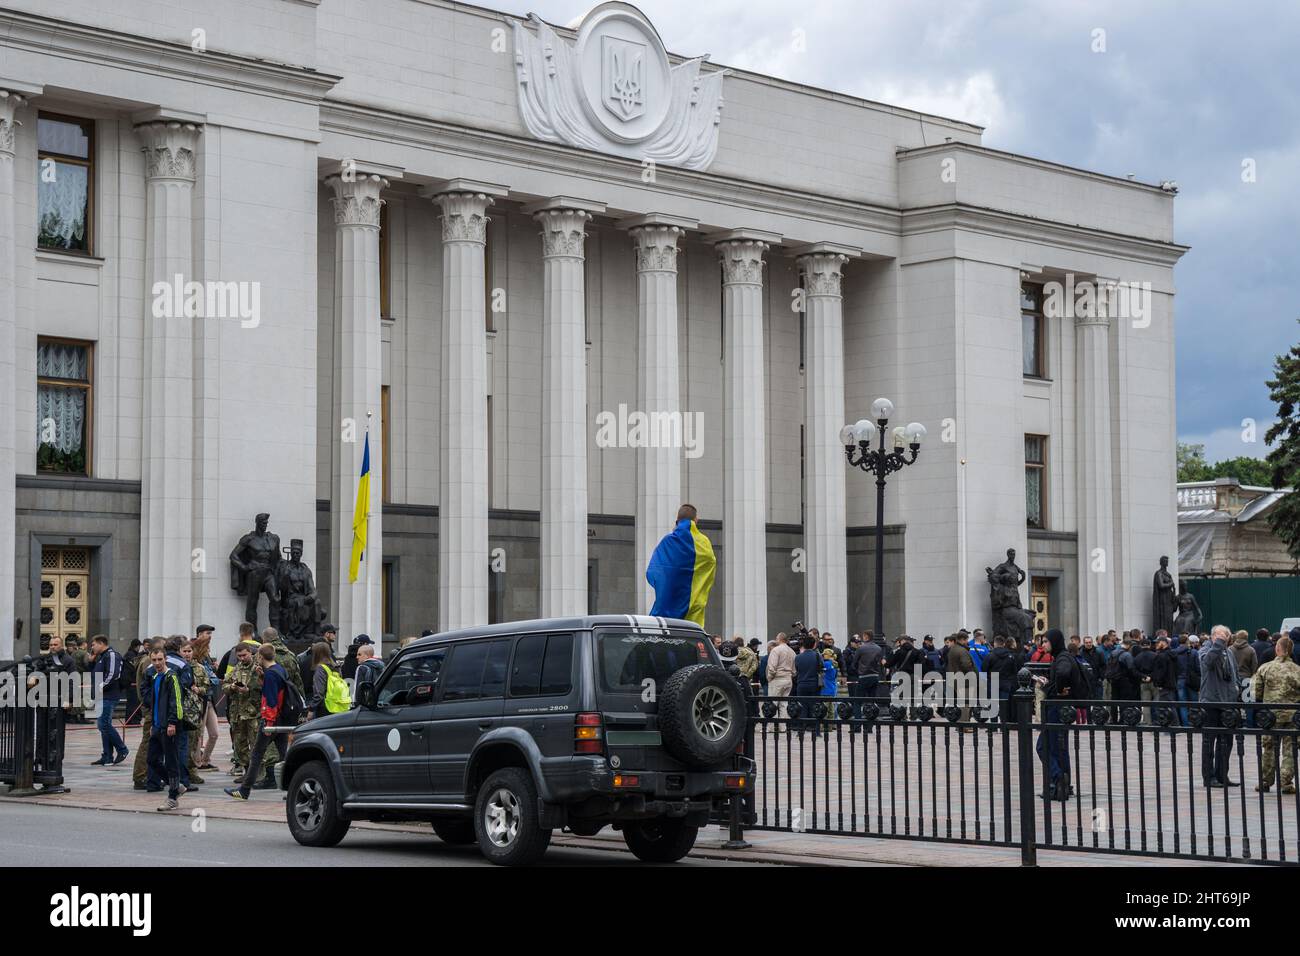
x=1033, y=330
x=1035, y=480
x=66, y=178
x=63, y=406
x=385, y=264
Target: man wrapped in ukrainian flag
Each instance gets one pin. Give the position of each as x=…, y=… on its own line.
x=681, y=570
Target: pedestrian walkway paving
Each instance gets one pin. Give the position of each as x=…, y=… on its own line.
x=110, y=788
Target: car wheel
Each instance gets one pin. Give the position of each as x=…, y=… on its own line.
x=312, y=807
x=458, y=831
x=701, y=715
x=661, y=840
x=506, y=823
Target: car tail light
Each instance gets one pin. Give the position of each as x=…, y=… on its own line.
x=735, y=782
x=624, y=781
x=588, y=734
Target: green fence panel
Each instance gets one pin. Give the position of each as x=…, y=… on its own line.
x=1246, y=603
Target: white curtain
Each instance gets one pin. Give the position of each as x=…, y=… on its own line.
x=61, y=218
x=65, y=407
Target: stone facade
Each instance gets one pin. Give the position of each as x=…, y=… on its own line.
x=757, y=268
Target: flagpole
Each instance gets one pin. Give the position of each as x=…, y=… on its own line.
x=366, y=556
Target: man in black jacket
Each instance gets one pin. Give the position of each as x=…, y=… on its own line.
x=808, y=673
x=1065, y=683
x=868, y=663
x=1263, y=645
x=1000, y=666
x=107, y=670
x=1164, y=674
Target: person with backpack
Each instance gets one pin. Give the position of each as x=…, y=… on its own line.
x=281, y=706
x=329, y=691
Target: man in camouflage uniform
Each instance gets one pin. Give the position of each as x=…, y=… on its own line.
x=1278, y=682
x=243, y=689
x=140, y=769
x=285, y=658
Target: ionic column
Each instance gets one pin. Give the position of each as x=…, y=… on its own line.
x=658, y=469
x=826, y=581
x=170, y=144
x=12, y=98
x=744, y=433
x=463, y=488
x=358, y=376
x=564, y=406
x=1096, y=499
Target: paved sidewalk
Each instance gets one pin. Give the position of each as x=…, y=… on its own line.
x=109, y=788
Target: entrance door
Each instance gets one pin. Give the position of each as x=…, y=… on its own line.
x=65, y=593
x=1038, y=603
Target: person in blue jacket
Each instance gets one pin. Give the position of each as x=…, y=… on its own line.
x=830, y=684
x=160, y=701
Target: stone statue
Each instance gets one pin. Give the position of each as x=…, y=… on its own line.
x=298, y=614
x=253, y=566
x=1164, y=599
x=1188, y=618
x=1004, y=596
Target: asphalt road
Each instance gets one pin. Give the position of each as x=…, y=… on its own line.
x=34, y=835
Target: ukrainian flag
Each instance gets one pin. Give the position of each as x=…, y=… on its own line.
x=360, y=513
x=681, y=572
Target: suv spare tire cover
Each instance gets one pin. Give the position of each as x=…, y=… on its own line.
x=701, y=715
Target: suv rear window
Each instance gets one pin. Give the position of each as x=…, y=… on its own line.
x=543, y=666
x=628, y=660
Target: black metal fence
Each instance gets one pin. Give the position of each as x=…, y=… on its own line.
x=31, y=735
x=1126, y=777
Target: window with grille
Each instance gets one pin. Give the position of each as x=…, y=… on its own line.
x=64, y=371
x=1035, y=480
x=65, y=183
x=1033, y=329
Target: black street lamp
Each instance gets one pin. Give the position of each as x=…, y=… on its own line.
x=857, y=439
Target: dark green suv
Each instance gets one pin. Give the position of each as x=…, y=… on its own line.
x=500, y=735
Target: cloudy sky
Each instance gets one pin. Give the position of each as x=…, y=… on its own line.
x=1185, y=90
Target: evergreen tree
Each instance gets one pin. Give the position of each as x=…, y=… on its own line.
x=1284, y=459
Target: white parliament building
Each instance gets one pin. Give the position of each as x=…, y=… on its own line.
x=500, y=247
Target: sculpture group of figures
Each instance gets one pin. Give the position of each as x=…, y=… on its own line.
x=1175, y=609
x=1010, y=617
x=1174, y=612
x=258, y=566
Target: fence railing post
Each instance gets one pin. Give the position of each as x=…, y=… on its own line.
x=1023, y=701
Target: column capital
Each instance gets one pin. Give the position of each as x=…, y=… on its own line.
x=564, y=232
x=741, y=252
x=170, y=143
x=357, y=198
x=1103, y=307
x=822, y=267
x=656, y=245
x=13, y=96
x=464, y=206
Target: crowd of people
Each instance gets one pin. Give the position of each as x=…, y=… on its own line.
x=174, y=689
x=1214, y=671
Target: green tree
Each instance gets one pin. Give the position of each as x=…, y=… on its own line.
x=1248, y=471
x=1284, y=459
x=1191, y=463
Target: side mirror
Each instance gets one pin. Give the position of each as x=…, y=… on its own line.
x=420, y=694
x=366, y=695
